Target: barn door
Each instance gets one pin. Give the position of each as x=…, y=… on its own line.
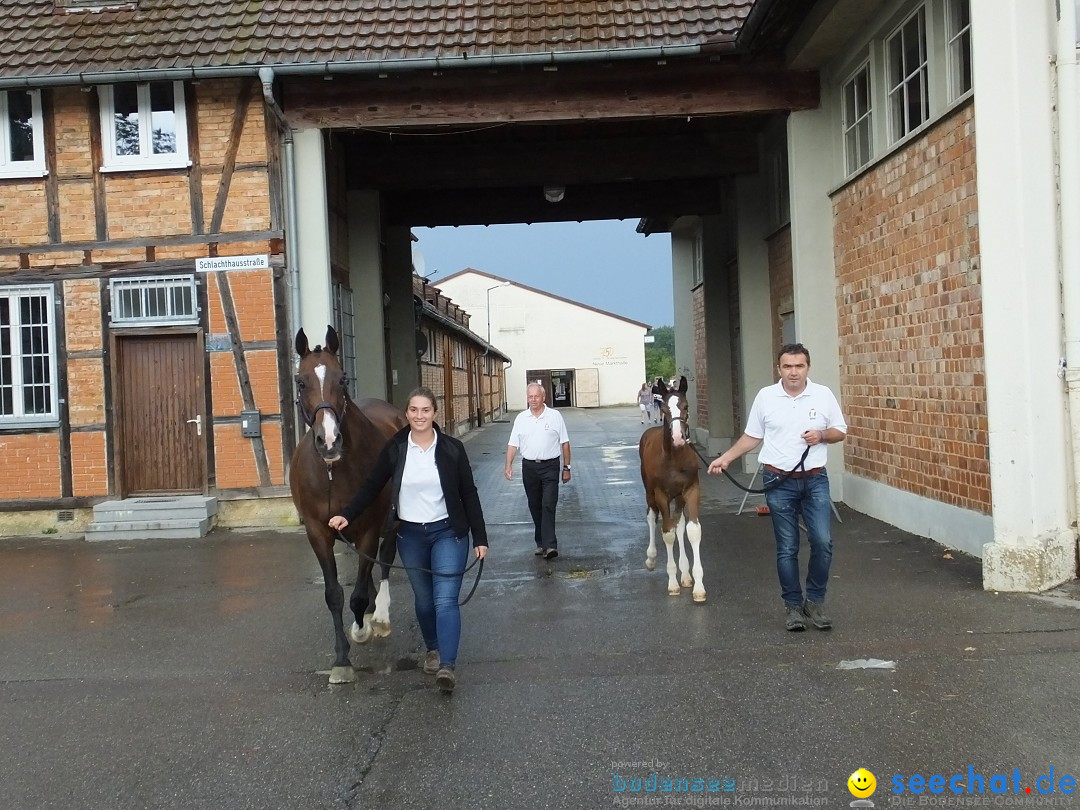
x=588, y=387
x=160, y=419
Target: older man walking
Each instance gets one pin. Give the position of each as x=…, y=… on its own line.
x=539, y=432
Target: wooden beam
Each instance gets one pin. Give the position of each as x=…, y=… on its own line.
x=389, y=164
x=144, y=241
x=93, y=114
x=239, y=118
x=195, y=175
x=673, y=88
x=52, y=184
x=527, y=204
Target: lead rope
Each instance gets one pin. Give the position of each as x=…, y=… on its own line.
x=800, y=466
x=467, y=569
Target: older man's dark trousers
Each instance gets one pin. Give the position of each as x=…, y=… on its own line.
x=541, y=480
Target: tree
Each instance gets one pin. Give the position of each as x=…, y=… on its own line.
x=660, y=354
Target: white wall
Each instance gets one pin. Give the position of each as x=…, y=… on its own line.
x=540, y=332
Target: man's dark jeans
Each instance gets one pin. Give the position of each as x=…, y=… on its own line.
x=541, y=480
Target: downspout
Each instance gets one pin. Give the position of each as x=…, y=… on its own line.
x=1068, y=154
x=266, y=76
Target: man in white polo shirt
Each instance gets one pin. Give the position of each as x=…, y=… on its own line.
x=540, y=434
x=791, y=416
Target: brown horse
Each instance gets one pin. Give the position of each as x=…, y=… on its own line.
x=669, y=471
x=328, y=467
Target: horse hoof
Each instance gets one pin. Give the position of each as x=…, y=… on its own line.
x=699, y=598
x=380, y=629
x=674, y=591
x=342, y=675
x=650, y=564
x=688, y=582
x=360, y=635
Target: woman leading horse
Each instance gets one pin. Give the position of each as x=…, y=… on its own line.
x=434, y=498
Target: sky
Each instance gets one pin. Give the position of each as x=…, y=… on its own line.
x=607, y=264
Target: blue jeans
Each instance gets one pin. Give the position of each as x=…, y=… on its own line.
x=810, y=497
x=436, y=596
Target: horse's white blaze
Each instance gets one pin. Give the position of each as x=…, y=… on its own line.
x=380, y=619
x=650, y=555
x=672, y=583
x=329, y=427
x=693, y=534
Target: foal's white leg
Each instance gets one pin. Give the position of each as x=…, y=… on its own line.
x=672, y=583
x=684, y=562
x=693, y=534
x=380, y=619
x=650, y=555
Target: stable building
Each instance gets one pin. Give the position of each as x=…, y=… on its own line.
x=583, y=356
x=172, y=211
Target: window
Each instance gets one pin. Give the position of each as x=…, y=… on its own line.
x=857, y=120
x=27, y=355
x=22, y=146
x=343, y=323
x=906, y=69
x=958, y=30
x=459, y=355
x=432, y=353
x=143, y=125
x=697, y=261
x=153, y=301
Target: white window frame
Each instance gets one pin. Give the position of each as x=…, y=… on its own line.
x=146, y=159
x=19, y=417
x=899, y=130
x=22, y=168
x=957, y=43
x=852, y=164
x=144, y=285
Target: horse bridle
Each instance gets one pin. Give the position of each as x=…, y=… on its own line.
x=309, y=419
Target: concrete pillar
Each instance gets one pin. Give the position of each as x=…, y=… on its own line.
x=811, y=135
x=715, y=251
x=400, y=315
x=1034, y=546
x=313, y=234
x=755, y=306
x=365, y=279
x=682, y=272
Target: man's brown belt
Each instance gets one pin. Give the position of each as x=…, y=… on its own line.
x=797, y=473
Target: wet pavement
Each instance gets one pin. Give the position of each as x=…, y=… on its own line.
x=192, y=674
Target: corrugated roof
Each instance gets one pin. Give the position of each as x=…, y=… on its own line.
x=38, y=39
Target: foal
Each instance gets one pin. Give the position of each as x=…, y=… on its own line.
x=669, y=471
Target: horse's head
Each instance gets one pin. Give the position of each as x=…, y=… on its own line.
x=676, y=412
x=321, y=393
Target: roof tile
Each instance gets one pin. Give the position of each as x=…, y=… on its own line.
x=38, y=41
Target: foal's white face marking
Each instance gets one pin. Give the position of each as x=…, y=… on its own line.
x=329, y=420
x=676, y=420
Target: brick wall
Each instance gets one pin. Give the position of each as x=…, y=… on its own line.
x=32, y=461
x=701, y=366
x=910, y=319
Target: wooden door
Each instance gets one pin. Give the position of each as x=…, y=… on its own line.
x=587, y=387
x=160, y=413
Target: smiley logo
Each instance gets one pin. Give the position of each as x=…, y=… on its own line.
x=861, y=783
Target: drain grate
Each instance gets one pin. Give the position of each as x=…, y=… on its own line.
x=65, y=516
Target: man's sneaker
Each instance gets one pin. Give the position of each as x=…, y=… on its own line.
x=431, y=662
x=795, y=620
x=540, y=552
x=551, y=554
x=445, y=679
x=815, y=612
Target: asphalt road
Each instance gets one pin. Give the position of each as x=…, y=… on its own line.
x=192, y=674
